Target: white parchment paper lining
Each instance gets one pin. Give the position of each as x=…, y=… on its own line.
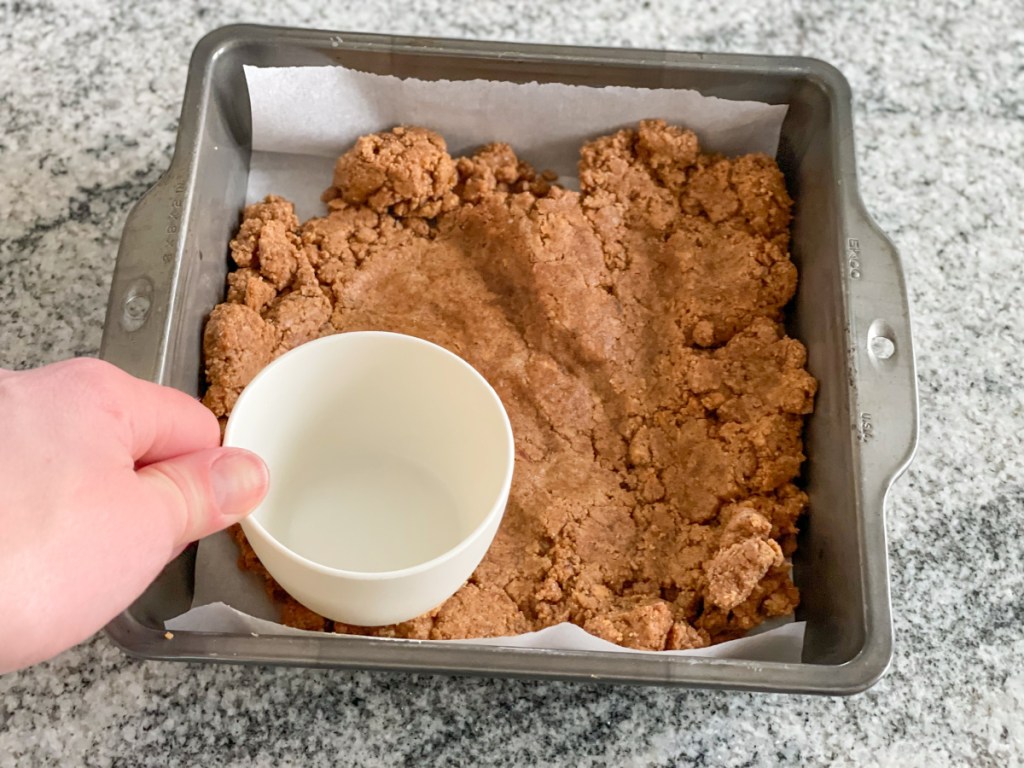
x=304, y=117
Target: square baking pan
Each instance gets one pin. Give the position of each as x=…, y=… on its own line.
x=850, y=311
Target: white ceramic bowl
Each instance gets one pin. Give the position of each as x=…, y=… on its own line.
x=390, y=463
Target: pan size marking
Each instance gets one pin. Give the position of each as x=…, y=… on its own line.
x=853, y=260
x=173, y=221
x=865, y=427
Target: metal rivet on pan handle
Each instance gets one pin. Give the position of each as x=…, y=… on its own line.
x=137, y=301
x=881, y=340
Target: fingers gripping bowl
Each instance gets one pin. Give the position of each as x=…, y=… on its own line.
x=390, y=461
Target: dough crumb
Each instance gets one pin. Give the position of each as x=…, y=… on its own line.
x=406, y=171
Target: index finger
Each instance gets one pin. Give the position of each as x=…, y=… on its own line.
x=167, y=423
x=161, y=422
x=151, y=422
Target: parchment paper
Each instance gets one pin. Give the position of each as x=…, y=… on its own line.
x=303, y=118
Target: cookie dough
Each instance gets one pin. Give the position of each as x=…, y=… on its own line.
x=634, y=332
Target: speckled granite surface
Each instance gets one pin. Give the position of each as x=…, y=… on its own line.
x=89, y=99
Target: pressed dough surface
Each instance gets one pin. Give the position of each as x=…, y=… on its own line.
x=633, y=332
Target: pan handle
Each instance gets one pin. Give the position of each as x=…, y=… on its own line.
x=884, y=388
x=142, y=289
x=885, y=380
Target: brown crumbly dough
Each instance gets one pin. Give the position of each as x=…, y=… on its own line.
x=633, y=331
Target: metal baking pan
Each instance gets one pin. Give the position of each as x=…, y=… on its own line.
x=851, y=311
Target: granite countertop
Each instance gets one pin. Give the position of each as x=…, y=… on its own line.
x=89, y=102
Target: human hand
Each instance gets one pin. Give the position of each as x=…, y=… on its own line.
x=104, y=478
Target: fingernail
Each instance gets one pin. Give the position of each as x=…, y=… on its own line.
x=239, y=481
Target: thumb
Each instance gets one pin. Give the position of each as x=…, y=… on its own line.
x=206, y=491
